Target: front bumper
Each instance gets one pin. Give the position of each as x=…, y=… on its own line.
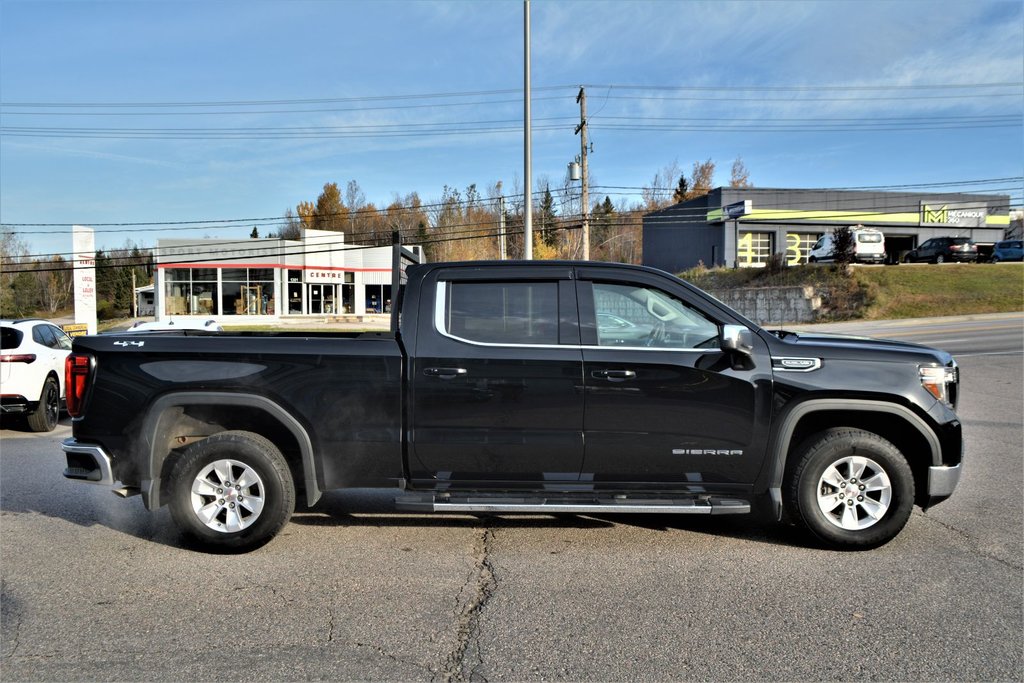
x=942, y=480
x=88, y=463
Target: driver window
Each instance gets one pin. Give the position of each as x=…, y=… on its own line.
x=637, y=316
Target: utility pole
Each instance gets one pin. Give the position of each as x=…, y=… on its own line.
x=502, y=245
x=585, y=199
x=527, y=141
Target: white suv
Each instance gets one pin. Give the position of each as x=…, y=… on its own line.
x=32, y=354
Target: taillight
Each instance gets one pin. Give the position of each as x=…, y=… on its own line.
x=76, y=381
x=18, y=358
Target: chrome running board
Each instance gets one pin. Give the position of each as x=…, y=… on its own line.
x=709, y=505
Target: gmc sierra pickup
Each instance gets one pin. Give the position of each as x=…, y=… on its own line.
x=522, y=387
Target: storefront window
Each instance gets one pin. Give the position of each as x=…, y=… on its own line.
x=190, y=291
x=248, y=291
x=378, y=298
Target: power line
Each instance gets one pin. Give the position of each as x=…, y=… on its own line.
x=618, y=219
x=261, y=103
x=809, y=88
x=424, y=209
x=516, y=91
x=432, y=105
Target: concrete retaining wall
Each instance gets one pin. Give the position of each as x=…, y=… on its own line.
x=773, y=305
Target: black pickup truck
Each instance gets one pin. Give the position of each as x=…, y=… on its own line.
x=562, y=387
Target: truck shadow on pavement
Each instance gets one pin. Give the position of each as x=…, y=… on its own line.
x=377, y=509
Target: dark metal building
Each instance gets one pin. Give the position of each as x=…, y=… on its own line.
x=745, y=226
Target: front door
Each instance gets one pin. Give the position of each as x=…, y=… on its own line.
x=665, y=406
x=497, y=387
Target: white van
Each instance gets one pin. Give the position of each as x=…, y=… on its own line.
x=868, y=246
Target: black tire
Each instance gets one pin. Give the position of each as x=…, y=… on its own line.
x=940, y=259
x=44, y=418
x=215, y=487
x=850, y=508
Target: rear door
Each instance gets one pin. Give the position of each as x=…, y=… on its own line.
x=497, y=387
x=665, y=407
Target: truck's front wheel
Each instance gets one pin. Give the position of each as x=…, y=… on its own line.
x=851, y=488
x=232, y=490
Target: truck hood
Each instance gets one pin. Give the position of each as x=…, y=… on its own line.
x=848, y=347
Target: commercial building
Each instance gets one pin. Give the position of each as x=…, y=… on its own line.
x=258, y=280
x=745, y=226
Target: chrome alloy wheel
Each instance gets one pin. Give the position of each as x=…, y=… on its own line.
x=227, y=496
x=854, y=493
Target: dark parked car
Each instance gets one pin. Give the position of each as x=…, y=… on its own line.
x=942, y=249
x=1008, y=250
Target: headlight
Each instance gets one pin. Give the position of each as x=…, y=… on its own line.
x=941, y=382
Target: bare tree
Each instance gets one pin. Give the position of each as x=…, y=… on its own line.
x=55, y=284
x=658, y=194
x=740, y=176
x=702, y=179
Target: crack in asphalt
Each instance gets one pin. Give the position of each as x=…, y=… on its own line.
x=462, y=662
x=16, y=641
x=384, y=653
x=330, y=625
x=970, y=539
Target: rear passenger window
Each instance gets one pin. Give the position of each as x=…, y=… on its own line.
x=10, y=338
x=41, y=334
x=502, y=312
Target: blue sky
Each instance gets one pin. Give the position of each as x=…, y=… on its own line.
x=362, y=69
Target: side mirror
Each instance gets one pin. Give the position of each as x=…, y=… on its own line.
x=737, y=338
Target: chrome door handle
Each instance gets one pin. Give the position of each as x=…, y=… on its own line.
x=613, y=375
x=445, y=373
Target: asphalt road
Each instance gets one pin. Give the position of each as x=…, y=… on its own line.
x=96, y=588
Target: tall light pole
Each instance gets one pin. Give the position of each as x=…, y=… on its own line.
x=527, y=137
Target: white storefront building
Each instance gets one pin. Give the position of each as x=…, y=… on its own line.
x=257, y=280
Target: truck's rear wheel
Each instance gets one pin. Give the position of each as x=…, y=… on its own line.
x=232, y=490
x=851, y=488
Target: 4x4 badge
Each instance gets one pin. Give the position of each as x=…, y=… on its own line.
x=127, y=343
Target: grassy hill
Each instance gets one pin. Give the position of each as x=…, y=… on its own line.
x=886, y=292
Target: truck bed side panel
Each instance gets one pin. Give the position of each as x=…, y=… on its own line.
x=345, y=392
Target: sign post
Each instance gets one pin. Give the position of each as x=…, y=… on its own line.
x=84, y=262
x=734, y=211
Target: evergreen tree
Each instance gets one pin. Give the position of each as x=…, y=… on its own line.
x=548, y=219
x=682, y=192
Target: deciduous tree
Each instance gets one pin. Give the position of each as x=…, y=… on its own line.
x=740, y=176
x=330, y=212
x=702, y=178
